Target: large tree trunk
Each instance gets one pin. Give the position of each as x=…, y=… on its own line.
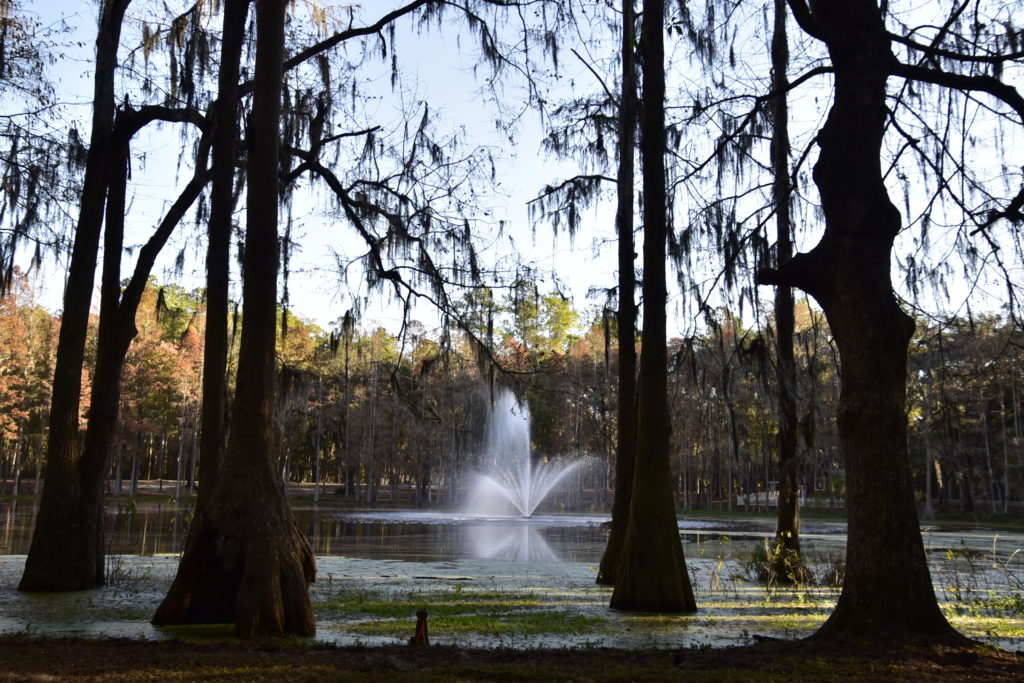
x=626, y=316
x=652, y=572
x=250, y=563
x=887, y=589
x=198, y=582
x=67, y=545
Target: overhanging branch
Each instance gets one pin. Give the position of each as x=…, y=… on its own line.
x=975, y=83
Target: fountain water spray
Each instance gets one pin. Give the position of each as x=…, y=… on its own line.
x=510, y=474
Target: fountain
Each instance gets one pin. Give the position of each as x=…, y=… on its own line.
x=512, y=483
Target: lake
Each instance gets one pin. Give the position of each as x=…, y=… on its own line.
x=440, y=559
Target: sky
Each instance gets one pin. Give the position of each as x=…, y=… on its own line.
x=440, y=70
x=440, y=73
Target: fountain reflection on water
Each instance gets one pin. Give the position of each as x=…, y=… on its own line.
x=522, y=542
x=512, y=483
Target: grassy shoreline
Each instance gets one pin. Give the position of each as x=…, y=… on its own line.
x=76, y=659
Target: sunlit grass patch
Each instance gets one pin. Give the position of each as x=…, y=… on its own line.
x=988, y=614
x=462, y=610
x=657, y=618
x=520, y=623
x=989, y=603
x=378, y=604
x=368, y=603
x=987, y=627
x=574, y=595
x=772, y=602
x=804, y=621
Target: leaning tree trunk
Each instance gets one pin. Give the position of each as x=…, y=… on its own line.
x=117, y=310
x=67, y=544
x=652, y=571
x=626, y=317
x=887, y=589
x=250, y=563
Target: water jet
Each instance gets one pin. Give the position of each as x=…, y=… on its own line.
x=510, y=482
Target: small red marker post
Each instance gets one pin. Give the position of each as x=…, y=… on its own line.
x=421, y=629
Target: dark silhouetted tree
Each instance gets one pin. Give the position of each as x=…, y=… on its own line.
x=625, y=445
x=251, y=560
x=67, y=544
x=887, y=590
x=652, y=573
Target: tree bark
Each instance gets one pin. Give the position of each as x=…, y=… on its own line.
x=887, y=589
x=197, y=583
x=250, y=563
x=218, y=254
x=652, y=572
x=787, y=526
x=626, y=316
x=67, y=544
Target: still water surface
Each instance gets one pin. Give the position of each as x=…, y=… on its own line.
x=418, y=555
x=159, y=528
x=149, y=527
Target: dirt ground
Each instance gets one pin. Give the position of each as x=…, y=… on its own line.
x=39, y=659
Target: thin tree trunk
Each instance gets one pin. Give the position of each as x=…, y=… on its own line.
x=162, y=461
x=317, y=438
x=19, y=458
x=133, y=483
x=213, y=416
x=626, y=316
x=347, y=326
x=929, y=511
x=652, y=573
x=370, y=492
x=392, y=450
x=181, y=462
x=730, y=411
x=992, y=489
x=787, y=525
x=1006, y=454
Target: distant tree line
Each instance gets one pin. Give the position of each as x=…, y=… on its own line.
x=373, y=418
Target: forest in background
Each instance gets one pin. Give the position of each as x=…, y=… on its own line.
x=373, y=417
